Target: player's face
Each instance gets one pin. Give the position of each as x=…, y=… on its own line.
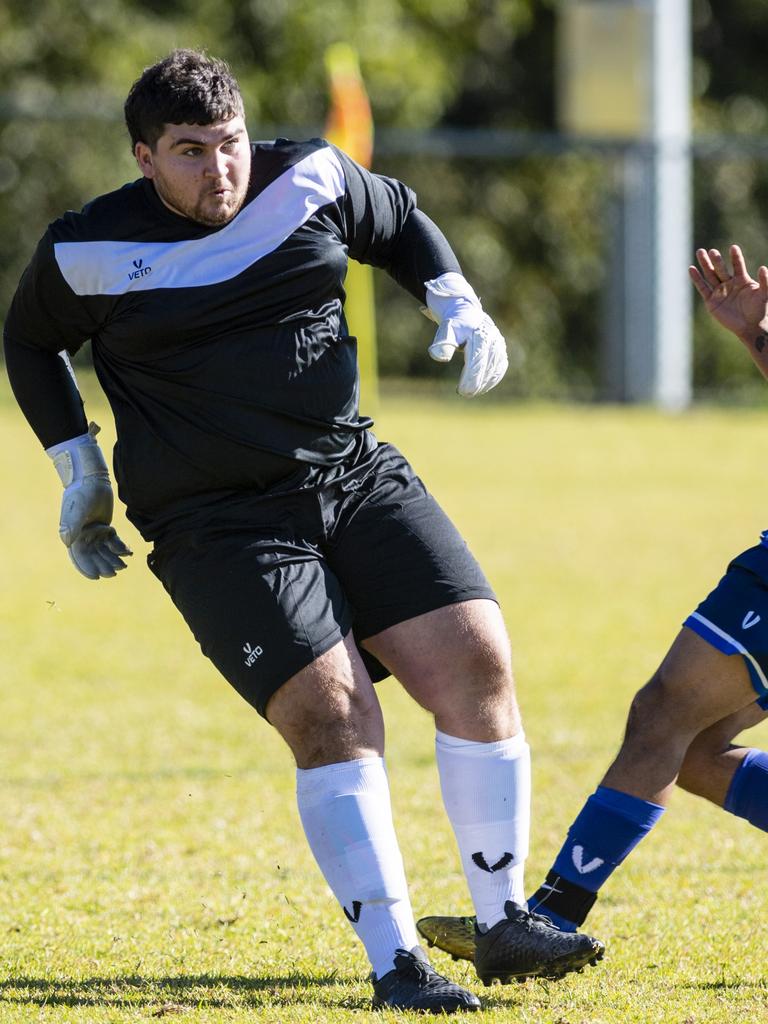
x=200, y=171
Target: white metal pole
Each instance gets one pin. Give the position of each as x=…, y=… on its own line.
x=657, y=224
x=625, y=75
x=673, y=234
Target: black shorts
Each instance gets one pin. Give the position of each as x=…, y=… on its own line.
x=265, y=599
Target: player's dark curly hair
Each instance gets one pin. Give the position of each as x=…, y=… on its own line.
x=186, y=87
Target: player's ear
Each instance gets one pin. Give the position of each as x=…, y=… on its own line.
x=143, y=154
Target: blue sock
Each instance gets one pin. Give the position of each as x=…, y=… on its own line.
x=747, y=795
x=607, y=829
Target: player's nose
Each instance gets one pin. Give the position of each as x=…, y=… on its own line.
x=216, y=166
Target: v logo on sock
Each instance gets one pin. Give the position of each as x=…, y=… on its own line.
x=577, y=856
x=483, y=864
x=354, y=917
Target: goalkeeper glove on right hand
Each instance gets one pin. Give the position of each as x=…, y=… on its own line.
x=86, y=507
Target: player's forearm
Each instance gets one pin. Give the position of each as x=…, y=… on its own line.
x=422, y=253
x=46, y=393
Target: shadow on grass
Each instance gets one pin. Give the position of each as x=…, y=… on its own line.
x=725, y=984
x=186, y=992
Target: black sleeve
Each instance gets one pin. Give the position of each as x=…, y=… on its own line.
x=421, y=254
x=46, y=317
x=385, y=228
x=46, y=393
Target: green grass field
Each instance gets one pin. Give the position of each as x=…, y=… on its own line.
x=151, y=861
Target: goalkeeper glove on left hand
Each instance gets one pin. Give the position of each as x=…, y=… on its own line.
x=86, y=507
x=452, y=303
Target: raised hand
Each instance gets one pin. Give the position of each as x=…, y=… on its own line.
x=734, y=298
x=462, y=324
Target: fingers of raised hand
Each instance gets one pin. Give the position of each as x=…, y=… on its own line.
x=713, y=269
x=721, y=271
x=738, y=263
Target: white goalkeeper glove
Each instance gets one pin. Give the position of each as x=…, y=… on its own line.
x=452, y=303
x=86, y=507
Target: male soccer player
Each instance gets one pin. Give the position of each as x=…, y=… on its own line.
x=712, y=685
x=306, y=557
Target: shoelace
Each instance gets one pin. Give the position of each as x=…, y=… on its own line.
x=528, y=918
x=422, y=972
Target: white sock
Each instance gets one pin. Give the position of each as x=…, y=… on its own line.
x=487, y=793
x=347, y=819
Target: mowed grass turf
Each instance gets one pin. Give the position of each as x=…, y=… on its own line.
x=151, y=860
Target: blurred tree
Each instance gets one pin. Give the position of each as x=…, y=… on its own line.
x=530, y=232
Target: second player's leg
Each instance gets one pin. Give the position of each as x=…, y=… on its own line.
x=695, y=687
x=730, y=776
x=712, y=759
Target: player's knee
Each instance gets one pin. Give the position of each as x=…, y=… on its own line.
x=648, y=708
x=666, y=709
x=485, y=673
x=484, y=651
x=328, y=712
x=483, y=694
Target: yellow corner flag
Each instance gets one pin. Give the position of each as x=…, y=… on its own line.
x=350, y=127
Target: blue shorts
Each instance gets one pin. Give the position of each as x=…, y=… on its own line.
x=734, y=618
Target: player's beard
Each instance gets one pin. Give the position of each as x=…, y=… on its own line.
x=206, y=208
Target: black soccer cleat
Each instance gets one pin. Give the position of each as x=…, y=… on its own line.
x=414, y=984
x=453, y=935
x=529, y=946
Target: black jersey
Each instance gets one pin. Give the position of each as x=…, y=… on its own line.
x=223, y=352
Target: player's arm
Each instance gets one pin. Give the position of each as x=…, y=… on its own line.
x=423, y=261
x=44, y=386
x=387, y=230
x=735, y=299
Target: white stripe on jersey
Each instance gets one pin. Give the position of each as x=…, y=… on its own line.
x=114, y=268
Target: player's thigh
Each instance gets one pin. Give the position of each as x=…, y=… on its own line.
x=455, y=661
x=397, y=554
x=718, y=664
x=695, y=686
x=732, y=621
x=261, y=609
